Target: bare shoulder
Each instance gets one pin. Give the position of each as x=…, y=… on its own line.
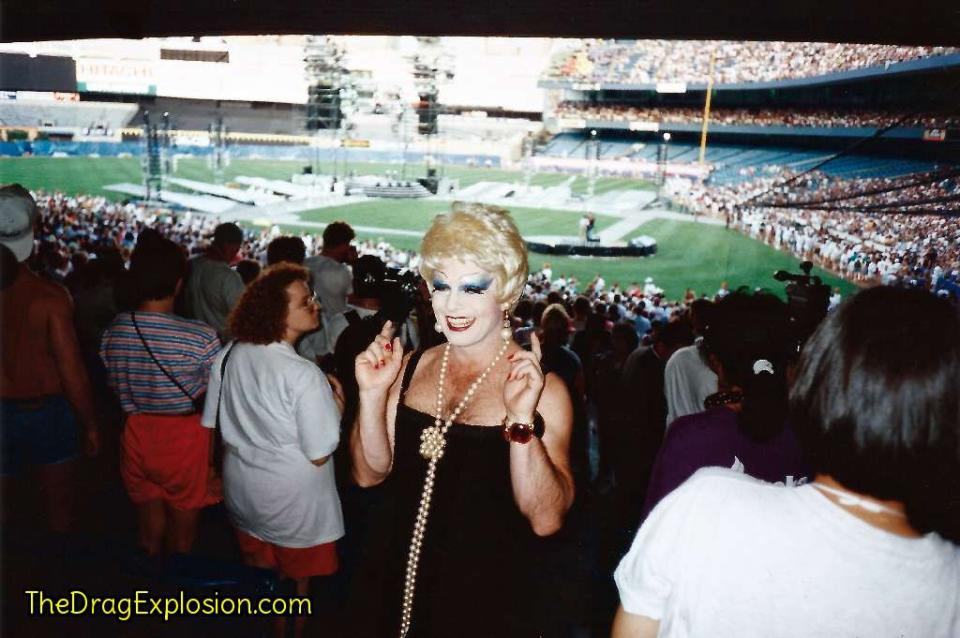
x=555, y=388
x=555, y=401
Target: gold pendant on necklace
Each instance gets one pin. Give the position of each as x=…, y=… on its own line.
x=432, y=443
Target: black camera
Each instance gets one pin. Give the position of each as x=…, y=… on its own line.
x=398, y=294
x=808, y=299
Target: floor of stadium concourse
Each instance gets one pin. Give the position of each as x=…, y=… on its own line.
x=100, y=559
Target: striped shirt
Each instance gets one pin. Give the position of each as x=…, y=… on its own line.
x=184, y=347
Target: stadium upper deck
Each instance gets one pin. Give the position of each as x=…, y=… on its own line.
x=763, y=117
x=645, y=63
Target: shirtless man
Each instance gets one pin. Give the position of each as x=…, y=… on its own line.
x=46, y=395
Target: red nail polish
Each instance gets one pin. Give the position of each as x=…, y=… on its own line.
x=388, y=346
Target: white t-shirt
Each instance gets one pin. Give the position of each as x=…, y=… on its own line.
x=277, y=413
x=687, y=381
x=728, y=555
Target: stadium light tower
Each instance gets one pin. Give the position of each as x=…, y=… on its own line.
x=663, y=157
x=431, y=69
x=151, y=159
x=218, y=159
x=593, y=157
x=326, y=78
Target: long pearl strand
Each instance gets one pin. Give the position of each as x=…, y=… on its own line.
x=432, y=444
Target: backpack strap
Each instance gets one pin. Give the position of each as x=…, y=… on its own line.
x=223, y=371
x=133, y=317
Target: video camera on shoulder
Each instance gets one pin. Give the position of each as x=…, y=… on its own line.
x=807, y=298
x=399, y=294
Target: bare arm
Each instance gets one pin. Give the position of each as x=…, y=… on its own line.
x=627, y=625
x=378, y=371
x=73, y=374
x=540, y=470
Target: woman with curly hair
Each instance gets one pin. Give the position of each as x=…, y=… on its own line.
x=280, y=422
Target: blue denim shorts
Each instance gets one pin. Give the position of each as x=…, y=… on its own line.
x=39, y=431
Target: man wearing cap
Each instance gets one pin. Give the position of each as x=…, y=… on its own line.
x=48, y=408
x=213, y=287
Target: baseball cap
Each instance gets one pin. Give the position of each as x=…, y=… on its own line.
x=18, y=213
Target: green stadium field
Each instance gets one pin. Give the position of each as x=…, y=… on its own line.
x=89, y=175
x=689, y=254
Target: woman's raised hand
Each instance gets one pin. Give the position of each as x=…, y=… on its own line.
x=521, y=392
x=377, y=367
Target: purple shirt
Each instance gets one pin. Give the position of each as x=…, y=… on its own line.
x=713, y=439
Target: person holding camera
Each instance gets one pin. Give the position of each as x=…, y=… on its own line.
x=471, y=442
x=158, y=364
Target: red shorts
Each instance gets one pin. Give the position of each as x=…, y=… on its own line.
x=291, y=562
x=167, y=458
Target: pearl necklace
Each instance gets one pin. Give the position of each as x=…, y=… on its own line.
x=432, y=444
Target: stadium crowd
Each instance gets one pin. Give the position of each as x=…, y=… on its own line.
x=670, y=402
x=651, y=61
x=828, y=118
x=875, y=230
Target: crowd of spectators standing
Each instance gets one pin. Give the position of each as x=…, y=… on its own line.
x=798, y=117
x=651, y=61
x=867, y=230
x=661, y=389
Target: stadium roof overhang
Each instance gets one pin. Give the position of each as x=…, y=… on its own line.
x=934, y=22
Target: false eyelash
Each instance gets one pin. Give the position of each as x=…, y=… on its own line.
x=474, y=290
x=439, y=285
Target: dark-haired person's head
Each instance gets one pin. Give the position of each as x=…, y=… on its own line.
x=157, y=267
x=624, y=339
x=336, y=241
x=581, y=307
x=369, y=272
x=876, y=406
x=523, y=310
x=288, y=248
x=670, y=337
x=109, y=262
x=227, y=239
x=748, y=343
x=555, y=325
x=227, y=234
x=701, y=311
x=277, y=305
x=536, y=313
x=248, y=269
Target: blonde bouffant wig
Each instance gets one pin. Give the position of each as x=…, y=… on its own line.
x=485, y=235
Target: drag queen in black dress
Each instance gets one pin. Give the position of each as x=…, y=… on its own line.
x=470, y=440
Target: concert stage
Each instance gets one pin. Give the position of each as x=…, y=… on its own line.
x=559, y=245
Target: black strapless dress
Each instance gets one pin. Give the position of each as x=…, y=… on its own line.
x=478, y=566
